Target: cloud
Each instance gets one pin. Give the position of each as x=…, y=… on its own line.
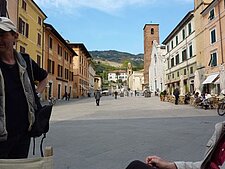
x=107, y=6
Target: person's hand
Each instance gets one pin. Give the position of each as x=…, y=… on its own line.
x=160, y=163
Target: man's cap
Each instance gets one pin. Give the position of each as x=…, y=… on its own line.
x=7, y=25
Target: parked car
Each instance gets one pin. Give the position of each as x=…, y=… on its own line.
x=105, y=93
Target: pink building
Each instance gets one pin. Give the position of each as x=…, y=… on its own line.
x=214, y=47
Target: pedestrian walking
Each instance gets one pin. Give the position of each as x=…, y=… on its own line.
x=65, y=96
x=116, y=94
x=18, y=100
x=176, y=93
x=97, y=97
x=68, y=96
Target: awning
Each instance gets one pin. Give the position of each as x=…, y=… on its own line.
x=210, y=78
x=217, y=81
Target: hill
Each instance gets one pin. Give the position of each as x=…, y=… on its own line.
x=118, y=57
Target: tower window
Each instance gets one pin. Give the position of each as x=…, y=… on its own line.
x=152, y=31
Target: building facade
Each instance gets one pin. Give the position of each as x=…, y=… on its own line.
x=157, y=67
x=181, y=56
x=30, y=28
x=136, y=81
x=117, y=75
x=59, y=64
x=213, y=17
x=81, y=69
x=151, y=33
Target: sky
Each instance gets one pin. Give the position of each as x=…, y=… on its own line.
x=113, y=24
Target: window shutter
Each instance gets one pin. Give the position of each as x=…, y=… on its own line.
x=27, y=30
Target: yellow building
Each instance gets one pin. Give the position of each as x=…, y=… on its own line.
x=30, y=28
x=81, y=69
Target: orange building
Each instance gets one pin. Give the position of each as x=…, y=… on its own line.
x=81, y=69
x=214, y=47
x=59, y=63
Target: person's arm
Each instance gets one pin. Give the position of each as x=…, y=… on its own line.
x=160, y=163
x=41, y=85
x=164, y=164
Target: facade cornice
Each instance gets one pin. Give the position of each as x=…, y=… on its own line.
x=182, y=23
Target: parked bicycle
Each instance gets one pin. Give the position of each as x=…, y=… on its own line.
x=52, y=100
x=221, y=107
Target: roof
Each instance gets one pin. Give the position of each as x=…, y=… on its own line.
x=54, y=31
x=183, y=22
x=38, y=8
x=150, y=24
x=118, y=71
x=82, y=46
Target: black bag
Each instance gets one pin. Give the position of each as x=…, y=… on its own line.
x=42, y=114
x=41, y=124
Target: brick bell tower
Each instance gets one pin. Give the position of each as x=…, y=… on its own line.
x=151, y=33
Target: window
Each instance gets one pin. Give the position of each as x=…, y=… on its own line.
x=152, y=31
x=184, y=55
x=22, y=49
x=66, y=56
x=172, y=44
x=66, y=74
x=39, y=20
x=51, y=66
x=213, y=36
x=50, y=42
x=3, y=8
x=24, y=5
x=213, y=59
x=59, y=50
x=212, y=14
x=39, y=39
x=168, y=63
x=155, y=58
x=172, y=62
x=190, y=51
x=183, y=34
x=178, y=74
x=60, y=71
x=71, y=58
x=172, y=75
x=191, y=70
x=185, y=71
x=23, y=28
x=168, y=48
x=39, y=60
x=189, y=28
x=177, y=59
x=176, y=40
